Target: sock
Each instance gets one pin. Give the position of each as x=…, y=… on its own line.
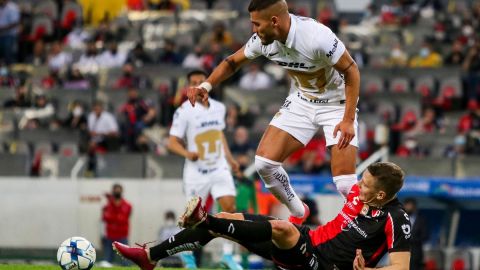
x=277, y=181
x=227, y=247
x=240, y=230
x=187, y=239
x=344, y=183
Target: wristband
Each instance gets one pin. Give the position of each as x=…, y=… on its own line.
x=206, y=85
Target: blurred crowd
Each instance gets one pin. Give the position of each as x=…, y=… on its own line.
x=65, y=45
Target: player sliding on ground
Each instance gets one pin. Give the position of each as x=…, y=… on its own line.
x=325, y=84
x=371, y=223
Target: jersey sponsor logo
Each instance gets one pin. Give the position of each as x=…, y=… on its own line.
x=272, y=54
x=376, y=213
x=231, y=228
x=349, y=223
x=294, y=65
x=406, y=216
x=285, y=183
x=332, y=51
x=286, y=104
x=184, y=247
x=303, y=248
x=406, y=230
x=210, y=123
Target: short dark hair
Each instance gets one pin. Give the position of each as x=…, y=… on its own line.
x=389, y=176
x=257, y=5
x=196, y=72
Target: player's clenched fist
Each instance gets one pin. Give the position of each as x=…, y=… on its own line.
x=197, y=93
x=192, y=156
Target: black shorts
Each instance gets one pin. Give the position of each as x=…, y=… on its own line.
x=302, y=256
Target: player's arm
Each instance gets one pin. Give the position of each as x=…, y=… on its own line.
x=177, y=146
x=347, y=66
x=228, y=155
x=223, y=71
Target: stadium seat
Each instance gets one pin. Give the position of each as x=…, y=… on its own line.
x=14, y=164
x=450, y=93
x=461, y=259
x=372, y=85
x=425, y=86
x=71, y=14
x=121, y=165
x=399, y=85
x=434, y=259
x=68, y=149
x=42, y=26
x=46, y=7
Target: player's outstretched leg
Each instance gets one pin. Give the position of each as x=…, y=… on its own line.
x=277, y=181
x=147, y=258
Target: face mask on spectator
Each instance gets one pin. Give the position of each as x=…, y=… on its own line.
x=467, y=30
x=424, y=52
x=3, y=71
x=396, y=53
x=170, y=222
x=459, y=140
x=411, y=144
x=77, y=111
x=117, y=195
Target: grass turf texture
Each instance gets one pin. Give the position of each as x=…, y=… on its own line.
x=55, y=267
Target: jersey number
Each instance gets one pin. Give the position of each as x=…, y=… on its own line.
x=209, y=145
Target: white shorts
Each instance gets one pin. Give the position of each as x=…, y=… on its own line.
x=218, y=183
x=301, y=119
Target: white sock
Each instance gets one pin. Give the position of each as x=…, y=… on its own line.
x=344, y=183
x=227, y=247
x=277, y=181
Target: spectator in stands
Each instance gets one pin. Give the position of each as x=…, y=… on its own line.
x=88, y=62
x=58, y=59
x=428, y=123
x=77, y=37
x=52, y=80
x=104, y=32
x=21, y=99
x=195, y=59
x=112, y=58
x=471, y=65
x=236, y=118
x=255, y=78
x=116, y=216
x=312, y=159
x=314, y=219
x=426, y=58
x=170, y=54
x=76, y=80
x=9, y=21
x=213, y=56
x=39, y=116
x=398, y=57
x=162, y=5
x=39, y=56
x=103, y=128
x=419, y=231
x=77, y=118
x=241, y=144
x=138, y=57
x=137, y=5
x=219, y=34
x=138, y=115
x=456, y=55
x=6, y=79
x=131, y=80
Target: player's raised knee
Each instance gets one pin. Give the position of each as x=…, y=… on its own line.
x=282, y=227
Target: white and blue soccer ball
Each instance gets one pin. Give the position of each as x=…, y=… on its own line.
x=76, y=253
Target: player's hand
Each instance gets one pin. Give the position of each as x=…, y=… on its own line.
x=192, y=156
x=347, y=133
x=359, y=261
x=235, y=167
x=193, y=93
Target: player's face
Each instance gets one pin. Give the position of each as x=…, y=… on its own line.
x=368, y=190
x=263, y=26
x=196, y=80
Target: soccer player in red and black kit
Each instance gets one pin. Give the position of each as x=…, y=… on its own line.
x=371, y=223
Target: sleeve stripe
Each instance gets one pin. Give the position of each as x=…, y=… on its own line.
x=389, y=231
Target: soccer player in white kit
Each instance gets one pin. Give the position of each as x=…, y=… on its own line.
x=197, y=134
x=325, y=84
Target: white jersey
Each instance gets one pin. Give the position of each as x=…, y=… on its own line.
x=308, y=55
x=202, y=130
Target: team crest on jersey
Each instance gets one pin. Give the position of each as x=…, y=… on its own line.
x=365, y=210
x=376, y=213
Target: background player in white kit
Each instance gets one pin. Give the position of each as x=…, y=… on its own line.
x=325, y=81
x=197, y=135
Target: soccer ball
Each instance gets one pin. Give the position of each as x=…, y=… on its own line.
x=76, y=253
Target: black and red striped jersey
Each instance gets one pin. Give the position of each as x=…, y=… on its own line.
x=358, y=226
